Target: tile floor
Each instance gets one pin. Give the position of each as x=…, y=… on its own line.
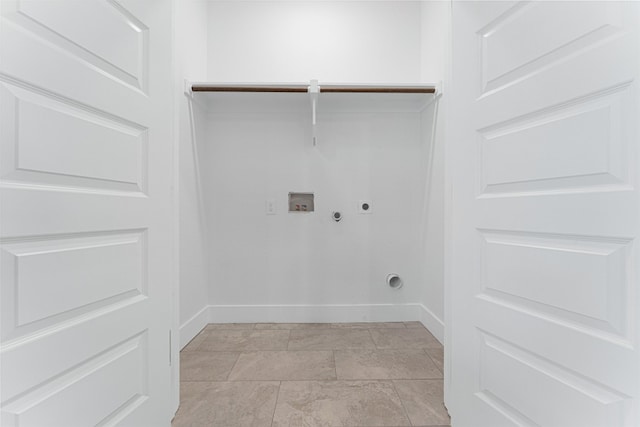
x=312, y=374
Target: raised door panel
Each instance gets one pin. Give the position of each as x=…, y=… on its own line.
x=58, y=142
x=546, y=214
x=86, y=243
x=123, y=57
x=100, y=391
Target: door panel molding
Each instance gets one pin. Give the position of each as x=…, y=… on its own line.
x=545, y=214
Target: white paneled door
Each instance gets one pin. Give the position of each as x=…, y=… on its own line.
x=86, y=226
x=545, y=276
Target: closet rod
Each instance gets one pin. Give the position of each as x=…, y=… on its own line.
x=376, y=89
x=248, y=88
x=302, y=88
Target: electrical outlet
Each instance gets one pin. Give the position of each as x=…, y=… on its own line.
x=364, y=206
x=271, y=206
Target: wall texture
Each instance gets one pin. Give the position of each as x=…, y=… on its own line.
x=351, y=41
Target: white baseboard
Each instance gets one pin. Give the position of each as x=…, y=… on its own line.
x=193, y=326
x=332, y=313
x=433, y=323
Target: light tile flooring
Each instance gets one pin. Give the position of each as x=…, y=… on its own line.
x=312, y=374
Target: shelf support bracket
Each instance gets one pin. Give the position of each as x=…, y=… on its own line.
x=187, y=89
x=314, y=90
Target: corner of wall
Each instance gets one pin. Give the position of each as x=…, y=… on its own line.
x=193, y=326
x=435, y=23
x=433, y=323
x=190, y=35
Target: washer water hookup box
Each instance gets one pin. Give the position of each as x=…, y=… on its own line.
x=301, y=202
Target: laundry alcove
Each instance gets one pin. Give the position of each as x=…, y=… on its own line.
x=247, y=141
x=540, y=101
x=136, y=210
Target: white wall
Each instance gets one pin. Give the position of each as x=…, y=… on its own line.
x=191, y=35
x=434, y=39
x=264, y=261
x=307, y=258
x=435, y=36
x=350, y=41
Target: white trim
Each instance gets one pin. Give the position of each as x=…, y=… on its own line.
x=175, y=223
x=433, y=323
x=449, y=165
x=193, y=326
x=330, y=313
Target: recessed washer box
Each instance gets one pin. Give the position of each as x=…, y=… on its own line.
x=301, y=202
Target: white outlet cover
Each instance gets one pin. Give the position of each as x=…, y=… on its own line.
x=270, y=207
x=364, y=206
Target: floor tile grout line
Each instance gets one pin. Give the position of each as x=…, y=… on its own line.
x=239, y=381
x=272, y=350
x=329, y=326
x=234, y=365
x=426, y=350
x=335, y=364
x=353, y=380
x=406, y=413
x=375, y=345
x=273, y=416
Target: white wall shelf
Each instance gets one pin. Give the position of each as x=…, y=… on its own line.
x=333, y=97
x=305, y=87
x=312, y=97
